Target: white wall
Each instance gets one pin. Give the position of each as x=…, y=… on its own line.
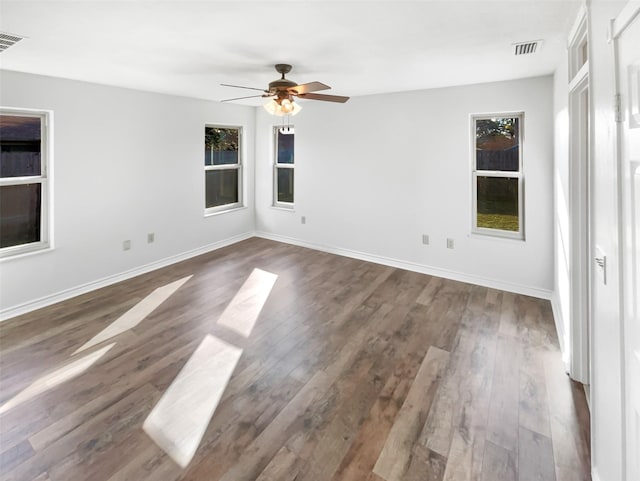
x=126, y=163
x=562, y=242
x=376, y=173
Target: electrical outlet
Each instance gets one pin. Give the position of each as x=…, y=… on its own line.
x=425, y=239
x=126, y=245
x=449, y=243
x=303, y=219
x=151, y=237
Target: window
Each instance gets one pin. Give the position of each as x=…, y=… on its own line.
x=497, y=175
x=24, y=185
x=578, y=47
x=283, y=167
x=222, y=168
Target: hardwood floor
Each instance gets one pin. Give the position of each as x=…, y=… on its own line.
x=319, y=367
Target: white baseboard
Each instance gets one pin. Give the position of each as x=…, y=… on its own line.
x=411, y=266
x=29, y=306
x=594, y=474
x=559, y=322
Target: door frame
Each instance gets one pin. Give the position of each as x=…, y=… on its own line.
x=579, y=199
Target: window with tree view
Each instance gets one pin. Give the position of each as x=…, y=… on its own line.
x=497, y=175
x=222, y=168
x=23, y=181
x=284, y=166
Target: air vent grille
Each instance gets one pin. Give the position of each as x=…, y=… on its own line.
x=526, y=48
x=7, y=40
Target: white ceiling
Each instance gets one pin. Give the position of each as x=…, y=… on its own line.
x=358, y=47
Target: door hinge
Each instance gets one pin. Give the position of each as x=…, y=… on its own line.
x=617, y=108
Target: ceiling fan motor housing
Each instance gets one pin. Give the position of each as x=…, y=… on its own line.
x=281, y=84
x=284, y=89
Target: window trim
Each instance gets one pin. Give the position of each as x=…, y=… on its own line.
x=44, y=179
x=239, y=167
x=484, y=231
x=277, y=165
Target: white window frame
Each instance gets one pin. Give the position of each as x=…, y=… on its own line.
x=277, y=165
x=484, y=231
x=44, y=179
x=233, y=205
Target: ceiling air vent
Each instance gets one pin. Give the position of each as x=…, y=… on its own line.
x=525, y=48
x=7, y=40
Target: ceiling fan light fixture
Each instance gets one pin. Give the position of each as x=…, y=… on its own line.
x=272, y=107
x=282, y=107
x=286, y=105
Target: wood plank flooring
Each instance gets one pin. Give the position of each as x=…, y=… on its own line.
x=336, y=369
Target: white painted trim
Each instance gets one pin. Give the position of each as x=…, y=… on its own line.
x=519, y=174
x=587, y=394
x=579, y=199
x=594, y=474
x=560, y=323
x=578, y=35
x=412, y=266
x=577, y=24
x=276, y=165
x=239, y=166
x=580, y=228
x=45, y=179
x=29, y=306
x=580, y=77
x=625, y=17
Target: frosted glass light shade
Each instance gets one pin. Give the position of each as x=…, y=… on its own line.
x=273, y=107
x=290, y=107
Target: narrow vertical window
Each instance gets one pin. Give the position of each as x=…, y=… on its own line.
x=284, y=166
x=24, y=185
x=222, y=168
x=497, y=175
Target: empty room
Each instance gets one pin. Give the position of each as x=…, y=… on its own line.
x=320, y=240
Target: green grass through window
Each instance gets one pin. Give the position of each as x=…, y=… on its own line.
x=498, y=221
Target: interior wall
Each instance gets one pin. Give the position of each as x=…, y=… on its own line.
x=126, y=163
x=561, y=300
x=375, y=174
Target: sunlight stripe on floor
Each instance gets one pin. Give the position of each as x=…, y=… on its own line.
x=180, y=418
x=55, y=378
x=136, y=314
x=245, y=307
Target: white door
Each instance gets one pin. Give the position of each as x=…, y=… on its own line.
x=627, y=45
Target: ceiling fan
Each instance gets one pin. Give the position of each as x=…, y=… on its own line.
x=282, y=91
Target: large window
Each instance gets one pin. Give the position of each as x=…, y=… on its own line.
x=283, y=167
x=222, y=168
x=24, y=185
x=497, y=175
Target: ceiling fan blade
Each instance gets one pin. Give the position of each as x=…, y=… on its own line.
x=326, y=98
x=240, y=98
x=310, y=87
x=241, y=87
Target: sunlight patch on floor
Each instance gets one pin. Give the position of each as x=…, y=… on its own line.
x=180, y=418
x=136, y=314
x=243, y=310
x=55, y=378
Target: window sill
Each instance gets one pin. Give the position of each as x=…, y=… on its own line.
x=19, y=254
x=225, y=211
x=291, y=209
x=497, y=236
